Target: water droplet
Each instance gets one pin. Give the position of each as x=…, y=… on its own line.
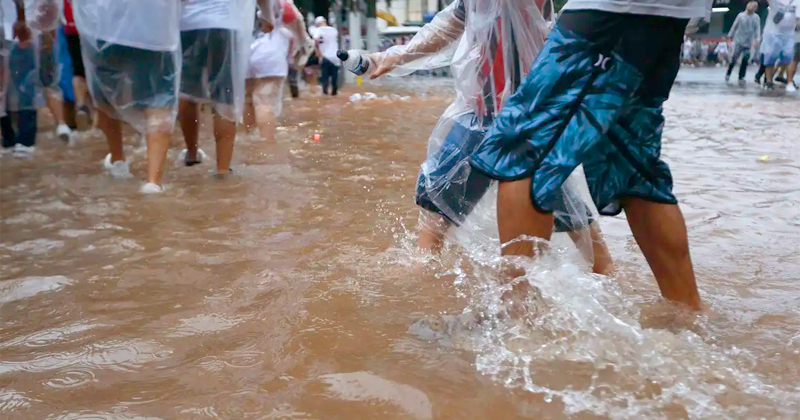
x=548, y=398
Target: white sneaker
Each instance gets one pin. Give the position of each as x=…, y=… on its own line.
x=791, y=88
x=7, y=151
x=23, y=152
x=63, y=132
x=151, y=188
x=118, y=169
x=201, y=156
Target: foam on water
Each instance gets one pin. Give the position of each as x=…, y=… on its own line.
x=626, y=358
x=618, y=368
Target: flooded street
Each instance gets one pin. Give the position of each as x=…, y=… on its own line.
x=287, y=291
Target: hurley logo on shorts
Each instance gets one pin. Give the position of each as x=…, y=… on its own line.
x=603, y=62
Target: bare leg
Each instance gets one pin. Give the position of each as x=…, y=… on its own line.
x=188, y=115
x=55, y=104
x=313, y=82
x=225, y=135
x=660, y=231
x=266, y=121
x=81, y=91
x=770, y=73
x=249, y=109
x=791, y=71
x=602, y=262
x=432, y=228
x=159, y=131
x=781, y=71
x=112, y=128
x=267, y=95
x=517, y=217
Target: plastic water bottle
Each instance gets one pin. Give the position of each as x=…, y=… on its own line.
x=356, y=62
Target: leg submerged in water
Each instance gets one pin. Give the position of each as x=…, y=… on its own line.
x=598, y=253
x=620, y=161
x=188, y=115
x=660, y=231
x=225, y=137
x=159, y=132
x=432, y=228
x=115, y=161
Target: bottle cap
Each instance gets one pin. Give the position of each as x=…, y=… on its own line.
x=342, y=55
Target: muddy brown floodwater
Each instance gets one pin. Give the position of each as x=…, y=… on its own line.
x=287, y=292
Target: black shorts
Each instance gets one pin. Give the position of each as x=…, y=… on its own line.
x=132, y=77
x=75, y=55
x=208, y=57
x=652, y=44
x=797, y=52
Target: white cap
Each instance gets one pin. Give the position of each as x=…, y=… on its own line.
x=319, y=20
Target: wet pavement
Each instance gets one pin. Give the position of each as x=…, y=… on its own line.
x=291, y=291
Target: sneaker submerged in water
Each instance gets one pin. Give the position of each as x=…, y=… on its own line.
x=63, y=132
x=151, y=188
x=23, y=152
x=727, y=78
x=199, y=158
x=118, y=169
x=742, y=82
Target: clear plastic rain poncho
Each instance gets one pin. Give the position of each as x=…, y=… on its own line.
x=490, y=45
x=32, y=67
x=132, y=54
x=777, y=45
x=216, y=37
x=285, y=13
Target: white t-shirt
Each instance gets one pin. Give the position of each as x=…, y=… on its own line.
x=328, y=40
x=208, y=14
x=145, y=24
x=269, y=55
x=682, y=9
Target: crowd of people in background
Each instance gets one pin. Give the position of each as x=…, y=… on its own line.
x=169, y=59
x=775, y=47
x=235, y=57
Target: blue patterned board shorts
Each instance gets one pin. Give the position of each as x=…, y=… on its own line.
x=593, y=96
x=459, y=189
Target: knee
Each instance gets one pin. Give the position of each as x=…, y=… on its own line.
x=160, y=122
